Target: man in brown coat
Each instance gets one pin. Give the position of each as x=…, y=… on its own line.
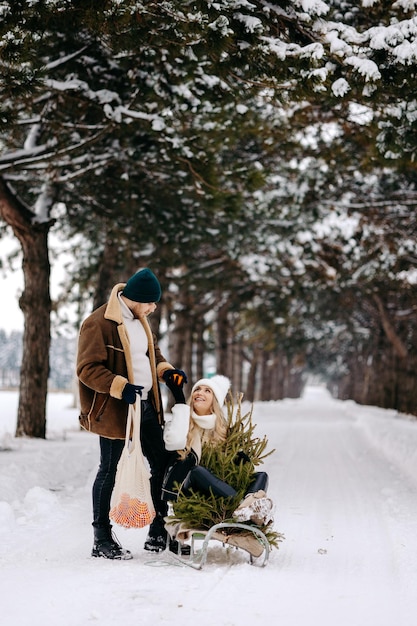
x=118, y=358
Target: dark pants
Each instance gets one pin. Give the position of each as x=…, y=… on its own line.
x=199, y=479
x=110, y=451
x=202, y=480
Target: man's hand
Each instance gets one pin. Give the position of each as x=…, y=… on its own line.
x=130, y=393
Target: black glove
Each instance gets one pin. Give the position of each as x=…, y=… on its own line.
x=175, y=383
x=129, y=393
x=241, y=457
x=178, y=377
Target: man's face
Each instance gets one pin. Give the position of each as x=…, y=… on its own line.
x=140, y=309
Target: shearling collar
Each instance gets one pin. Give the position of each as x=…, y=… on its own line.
x=113, y=310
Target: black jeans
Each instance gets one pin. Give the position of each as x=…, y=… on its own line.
x=110, y=451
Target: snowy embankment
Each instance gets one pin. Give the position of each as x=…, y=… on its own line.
x=392, y=433
x=344, y=481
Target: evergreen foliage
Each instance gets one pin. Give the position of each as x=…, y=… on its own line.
x=260, y=156
x=202, y=511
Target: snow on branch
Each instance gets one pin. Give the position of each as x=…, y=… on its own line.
x=11, y=158
x=62, y=60
x=117, y=114
x=367, y=68
x=102, y=96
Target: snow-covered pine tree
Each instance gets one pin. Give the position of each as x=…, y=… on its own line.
x=228, y=461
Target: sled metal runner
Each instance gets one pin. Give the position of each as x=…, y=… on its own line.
x=198, y=557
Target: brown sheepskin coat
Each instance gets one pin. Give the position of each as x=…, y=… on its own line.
x=104, y=365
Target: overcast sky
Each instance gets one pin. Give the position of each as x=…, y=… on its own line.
x=11, y=317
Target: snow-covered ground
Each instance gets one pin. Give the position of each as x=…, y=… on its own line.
x=344, y=482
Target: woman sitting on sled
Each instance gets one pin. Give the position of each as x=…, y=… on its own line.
x=199, y=423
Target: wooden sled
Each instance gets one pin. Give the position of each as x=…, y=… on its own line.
x=253, y=541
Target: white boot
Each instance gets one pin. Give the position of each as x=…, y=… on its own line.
x=256, y=508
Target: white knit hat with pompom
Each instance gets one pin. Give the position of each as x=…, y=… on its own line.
x=219, y=385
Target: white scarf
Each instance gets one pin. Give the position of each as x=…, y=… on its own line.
x=207, y=422
x=204, y=423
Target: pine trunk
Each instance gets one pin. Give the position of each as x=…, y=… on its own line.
x=198, y=370
x=36, y=306
x=222, y=342
x=180, y=347
x=252, y=375
x=35, y=303
x=106, y=278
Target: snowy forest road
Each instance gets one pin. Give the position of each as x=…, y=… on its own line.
x=343, y=478
x=348, y=513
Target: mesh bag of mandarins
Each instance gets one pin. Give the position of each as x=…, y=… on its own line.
x=131, y=501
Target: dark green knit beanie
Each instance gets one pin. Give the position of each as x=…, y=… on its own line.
x=143, y=287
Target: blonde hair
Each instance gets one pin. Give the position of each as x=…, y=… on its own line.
x=210, y=437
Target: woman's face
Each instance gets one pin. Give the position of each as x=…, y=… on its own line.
x=202, y=400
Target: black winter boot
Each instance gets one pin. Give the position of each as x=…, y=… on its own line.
x=107, y=546
x=157, y=539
